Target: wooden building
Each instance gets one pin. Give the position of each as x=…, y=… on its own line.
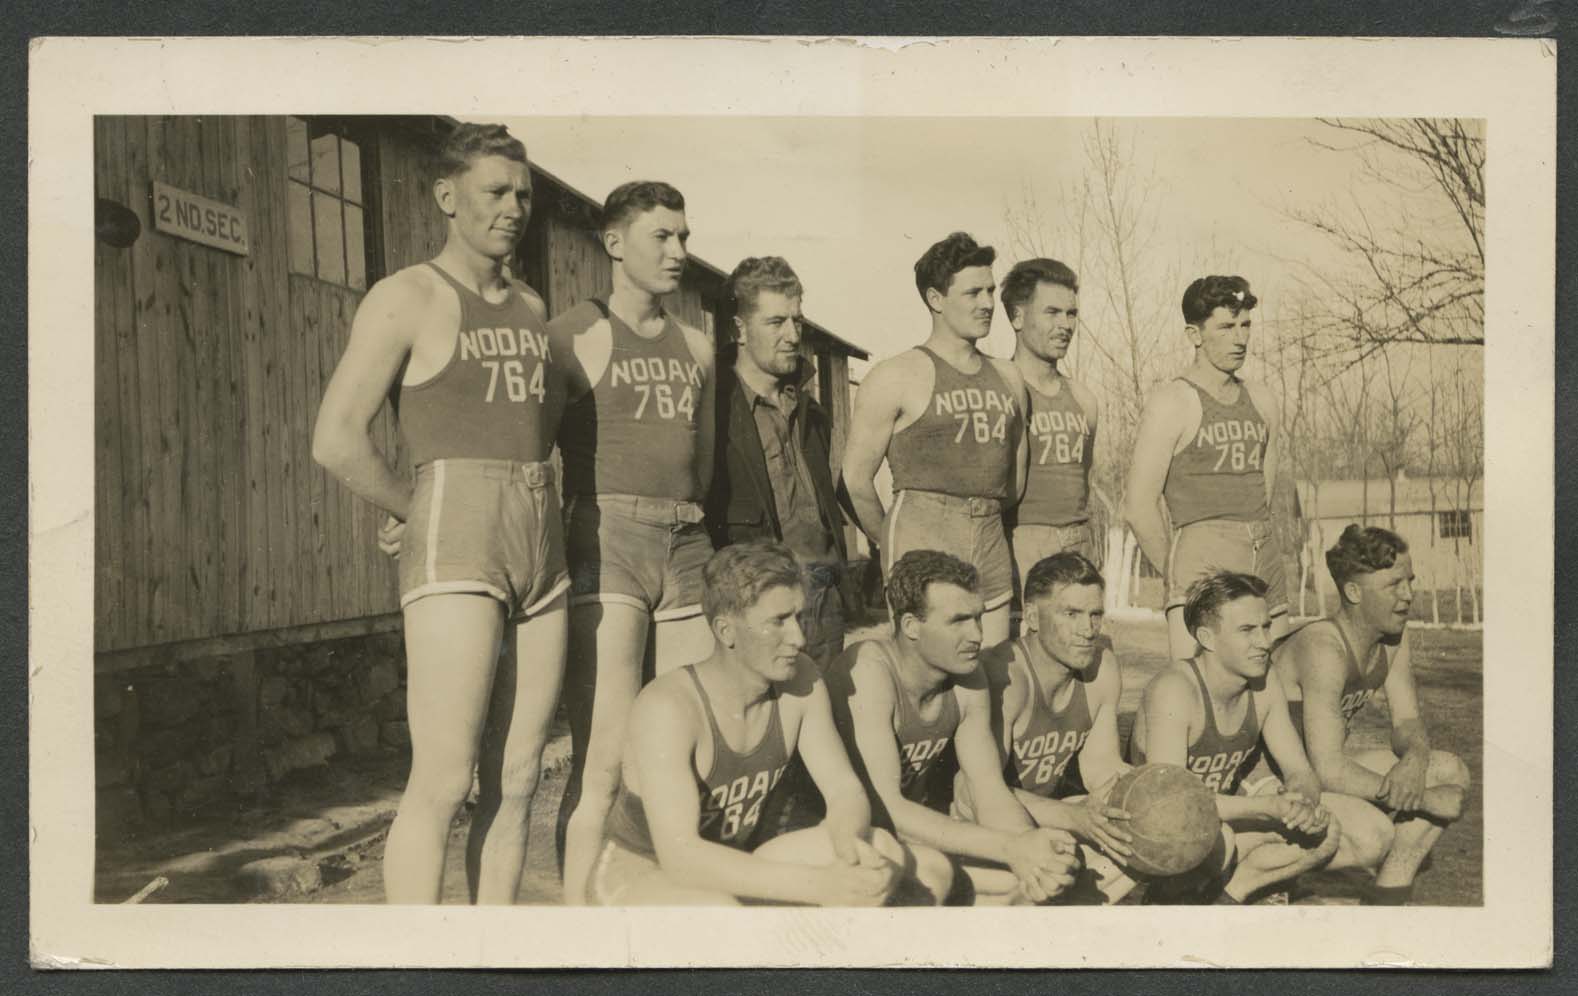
x=216, y=332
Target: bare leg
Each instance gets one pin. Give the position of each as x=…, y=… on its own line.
x=1415, y=835
x=678, y=642
x=607, y=642
x=994, y=626
x=1366, y=832
x=1266, y=857
x=525, y=694
x=452, y=649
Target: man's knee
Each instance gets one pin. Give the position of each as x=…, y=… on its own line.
x=442, y=789
x=1447, y=768
x=1370, y=833
x=1327, y=846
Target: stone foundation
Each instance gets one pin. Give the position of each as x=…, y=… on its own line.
x=172, y=739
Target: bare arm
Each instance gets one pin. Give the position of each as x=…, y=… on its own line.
x=1282, y=740
x=1320, y=660
x=1170, y=701
x=871, y=709
x=662, y=746
x=877, y=407
x=1267, y=402
x=982, y=763
x=1101, y=758
x=1404, y=787
x=1021, y=466
x=381, y=338
x=706, y=423
x=820, y=746
x=1153, y=453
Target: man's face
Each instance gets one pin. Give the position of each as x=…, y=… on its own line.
x=967, y=306
x=1045, y=323
x=490, y=202
x=1224, y=338
x=650, y=248
x=949, y=638
x=1385, y=597
x=1241, y=638
x=1067, y=622
x=770, y=334
x=767, y=636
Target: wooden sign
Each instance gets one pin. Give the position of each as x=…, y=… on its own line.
x=199, y=219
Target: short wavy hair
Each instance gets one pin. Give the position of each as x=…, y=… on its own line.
x=1204, y=600
x=937, y=265
x=737, y=576
x=1363, y=550
x=1066, y=568
x=468, y=142
x=917, y=571
x=1206, y=294
x=1021, y=283
x=755, y=274
x=628, y=200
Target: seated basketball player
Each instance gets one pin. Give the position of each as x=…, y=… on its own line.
x=1210, y=714
x=707, y=745
x=915, y=710
x=1055, y=692
x=1330, y=668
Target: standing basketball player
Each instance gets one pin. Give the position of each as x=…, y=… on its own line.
x=1330, y=668
x=1211, y=714
x=1207, y=446
x=706, y=749
x=1041, y=298
x=1056, y=692
x=479, y=535
x=637, y=447
x=915, y=710
x=950, y=421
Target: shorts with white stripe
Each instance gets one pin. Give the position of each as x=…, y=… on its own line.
x=486, y=527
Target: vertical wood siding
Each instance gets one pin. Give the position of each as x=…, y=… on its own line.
x=210, y=516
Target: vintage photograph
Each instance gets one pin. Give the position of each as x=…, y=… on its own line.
x=839, y=510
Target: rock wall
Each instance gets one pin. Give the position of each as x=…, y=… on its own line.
x=172, y=739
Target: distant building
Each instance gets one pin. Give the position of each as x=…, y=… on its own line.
x=1441, y=520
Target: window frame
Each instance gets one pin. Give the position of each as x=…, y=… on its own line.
x=364, y=138
x=1455, y=524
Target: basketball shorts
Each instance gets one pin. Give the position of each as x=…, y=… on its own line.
x=634, y=550
x=1034, y=543
x=489, y=527
x=968, y=528
x=1203, y=548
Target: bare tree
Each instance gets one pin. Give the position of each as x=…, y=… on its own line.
x=1412, y=234
x=1106, y=230
x=1393, y=422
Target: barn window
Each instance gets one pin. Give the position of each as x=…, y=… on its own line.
x=329, y=213
x=1455, y=524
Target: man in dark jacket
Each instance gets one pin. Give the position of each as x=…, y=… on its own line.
x=772, y=476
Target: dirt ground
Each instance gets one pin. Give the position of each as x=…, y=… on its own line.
x=303, y=820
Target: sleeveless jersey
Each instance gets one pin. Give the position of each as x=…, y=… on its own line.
x=1218, y=475
x=1051, y=739
x=1219, y=759
x=1358, y=686
x=921, y=743
x=1057, y=492
x=497, y=398
x=963, y=444
x=732, y=791
x=635, y=431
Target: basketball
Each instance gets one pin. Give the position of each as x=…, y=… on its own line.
x=1172, y=815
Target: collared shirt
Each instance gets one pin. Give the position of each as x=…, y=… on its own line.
x=794, y=494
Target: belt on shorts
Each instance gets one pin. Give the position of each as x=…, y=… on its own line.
x=644, y=509
x=535, y=475
x=975, y=508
